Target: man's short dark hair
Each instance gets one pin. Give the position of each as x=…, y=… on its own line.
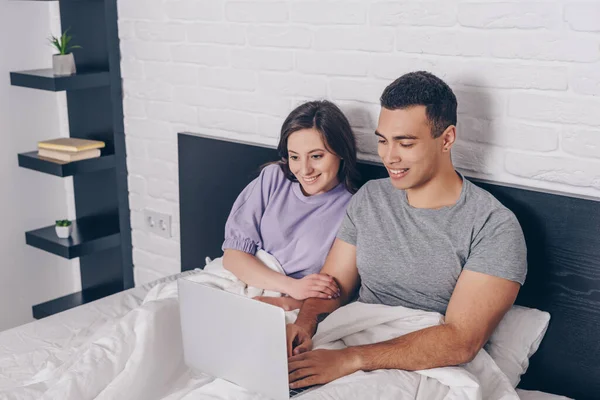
x=425, y=89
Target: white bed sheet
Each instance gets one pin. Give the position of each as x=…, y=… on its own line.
x=52, y=339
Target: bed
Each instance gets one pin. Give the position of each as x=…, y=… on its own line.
x=564, y=275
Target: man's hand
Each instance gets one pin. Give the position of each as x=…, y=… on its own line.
x=319, y=367
x=339, y=269
x=287, y=303
x=298, y=339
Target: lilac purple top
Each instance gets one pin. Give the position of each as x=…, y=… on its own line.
x=273, y=214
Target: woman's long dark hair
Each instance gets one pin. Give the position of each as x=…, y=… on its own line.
x=330, y=121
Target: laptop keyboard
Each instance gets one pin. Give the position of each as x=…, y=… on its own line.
x=296, y=392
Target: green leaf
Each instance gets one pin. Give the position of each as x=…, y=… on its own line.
x=55, y=42
x=62, y=43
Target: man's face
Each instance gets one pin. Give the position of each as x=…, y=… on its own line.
x=408, y=150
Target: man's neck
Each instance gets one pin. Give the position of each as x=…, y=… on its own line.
x=443, y=190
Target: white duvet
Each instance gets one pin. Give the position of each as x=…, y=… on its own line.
x=139, y=356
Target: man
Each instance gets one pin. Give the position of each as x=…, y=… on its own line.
x=424, y=238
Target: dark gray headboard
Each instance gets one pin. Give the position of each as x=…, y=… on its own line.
x=563, y=243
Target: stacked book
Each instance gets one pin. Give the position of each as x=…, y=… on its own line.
x=69, y=149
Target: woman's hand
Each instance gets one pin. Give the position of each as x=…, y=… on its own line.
x=315, y=285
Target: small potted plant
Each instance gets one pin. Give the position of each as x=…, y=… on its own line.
x=63, y=228
x=63, y=63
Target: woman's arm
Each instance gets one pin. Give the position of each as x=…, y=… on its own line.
x=253, y=272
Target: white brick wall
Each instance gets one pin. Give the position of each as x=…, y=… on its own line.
x=509, y=15
x=526, y=73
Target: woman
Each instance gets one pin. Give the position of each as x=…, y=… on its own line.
x=294, y=208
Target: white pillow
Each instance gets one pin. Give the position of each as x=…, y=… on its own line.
x=516, y=339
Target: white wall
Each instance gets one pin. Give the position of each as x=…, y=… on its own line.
x=28, y=199
x=526, y=74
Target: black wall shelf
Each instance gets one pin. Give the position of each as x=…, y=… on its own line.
x=44, y=79
x=73, y=300
x=90, y=235
x=101, y=237
x=31, y=160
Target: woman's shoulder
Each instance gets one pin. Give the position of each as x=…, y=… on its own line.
x=345, y=194
x=272, y=173
x=272, y=170
x=272, y=179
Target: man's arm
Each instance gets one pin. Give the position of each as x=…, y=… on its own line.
x=477, y=305
x=341, y=265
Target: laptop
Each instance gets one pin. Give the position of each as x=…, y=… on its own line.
x=235, y=338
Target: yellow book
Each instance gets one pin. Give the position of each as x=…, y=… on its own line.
x=68, y=157
x=70, y=145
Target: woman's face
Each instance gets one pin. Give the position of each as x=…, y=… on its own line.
x=315, y=167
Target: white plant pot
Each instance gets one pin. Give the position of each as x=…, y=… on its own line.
x=63, y=231
x=63, y=65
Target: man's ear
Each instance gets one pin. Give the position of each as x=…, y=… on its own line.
x=448, y=138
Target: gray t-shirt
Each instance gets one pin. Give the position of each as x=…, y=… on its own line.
x=413, y=257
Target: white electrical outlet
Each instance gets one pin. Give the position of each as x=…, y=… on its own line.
x=158, y=223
